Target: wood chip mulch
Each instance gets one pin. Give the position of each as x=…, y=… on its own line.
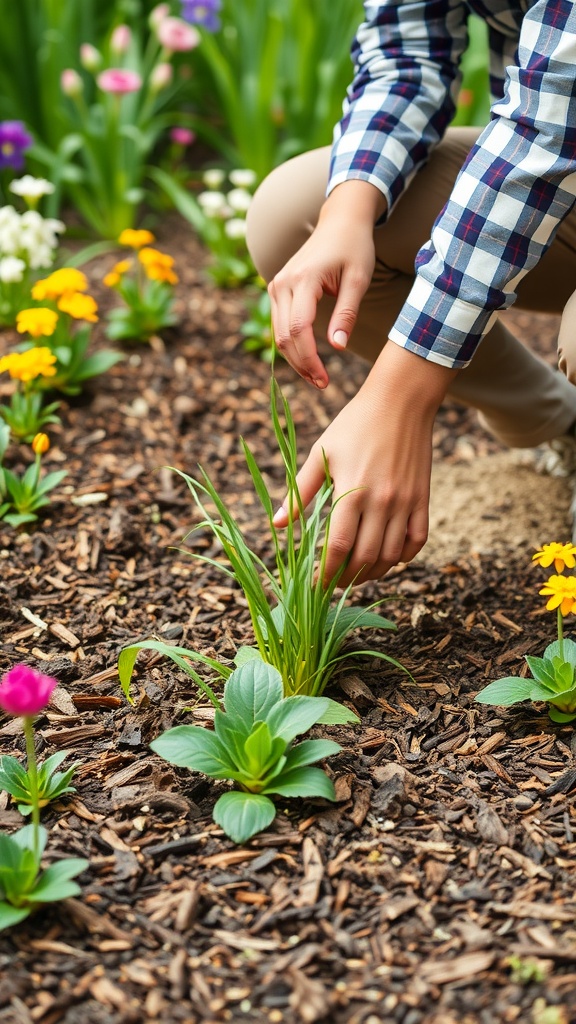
x=439, y=889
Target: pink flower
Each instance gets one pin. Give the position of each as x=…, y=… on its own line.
x=182, y=136
x=175, y=35
x=90, y=57
x=119, y=81
x=120, y=39
x=157, y=14
x=71, y=83
x=161, y=76
x=25, y=692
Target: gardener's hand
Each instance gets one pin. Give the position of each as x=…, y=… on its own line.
x=338, y=259
x=379, y=448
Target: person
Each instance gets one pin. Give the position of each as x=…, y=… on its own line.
x=405, y=240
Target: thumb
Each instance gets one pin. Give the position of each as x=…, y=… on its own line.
x=345, y=311
x=309, y=481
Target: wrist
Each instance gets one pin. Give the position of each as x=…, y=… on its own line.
x=405, y=381
x=355, y=200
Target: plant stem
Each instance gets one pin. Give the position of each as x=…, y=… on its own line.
x=561, y=632
x=33, y=777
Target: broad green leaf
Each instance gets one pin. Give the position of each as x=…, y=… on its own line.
x=246, y=654
x=51, y=764
x=190, y=746
x=563, y=673
x=540, y=669
x=309, y=751
x=561, y=716
x=295, y=715
x=338, y=714
x=252, y=691
x=9, y=915
x=18, y=870
x=344, y=620
x=242, y=815
x=303, y=782
x=24, y=838
x=540, y=692
x=503, y=692
x=257, y=749
x=564, y=649
x=565, y=700
x=55, y=883
x=99, y=362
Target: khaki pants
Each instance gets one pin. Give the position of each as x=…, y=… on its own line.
x=521, y=399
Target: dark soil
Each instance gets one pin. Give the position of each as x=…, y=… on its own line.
x=439, y=889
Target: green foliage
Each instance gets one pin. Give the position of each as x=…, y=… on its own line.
x=74, y=367
x=297, y=628
x=22, y=887
x=257, y=330
x=252, y=744
x=27, y=494
x=52, y=784
x=553, y=680
x=474, y=99
x=26, y=415
x=148, y=308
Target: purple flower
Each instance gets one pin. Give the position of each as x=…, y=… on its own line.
x=14, y=140
x=202, y=12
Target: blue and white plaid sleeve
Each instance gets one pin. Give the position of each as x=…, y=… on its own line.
x=402, y=98
x=516, y=186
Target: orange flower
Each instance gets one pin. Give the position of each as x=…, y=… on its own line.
x=114, y=276
x=561, y=554
x=136, y=239
x=561, y=592
x=158, y=265
x=81, y=307
x=40, y=444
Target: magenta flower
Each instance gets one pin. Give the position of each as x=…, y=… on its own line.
x=178, y=37
x=14, y=140
x=119, y=81
x=120, y=39
x=182, y=136
x=25, y=692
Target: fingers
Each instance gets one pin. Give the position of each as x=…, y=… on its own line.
x=343, y=319
x=309, y=481
x=293, y=315
x=374, y=543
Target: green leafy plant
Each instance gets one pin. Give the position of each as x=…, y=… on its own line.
x=27, y=494
x=553, y=676
x=253, y=745
x=257, y=329
x=52, y=784
x=23, y=887
x=26, y=414
x=298, y=628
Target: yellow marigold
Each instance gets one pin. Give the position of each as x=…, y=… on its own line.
x=115, y=275
x=67, y=279
x=561, y=591
x=136, y=239
x=81, y=307
x=37, y=322
x=40, y=444
x=25, y=366
x=563, y=556
x=158, y=266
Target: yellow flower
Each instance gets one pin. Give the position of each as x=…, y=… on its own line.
x=81, y=307
x=25, y=366
x=561, y=591
x=67, y=279
x=40, y=444
x=561, y=554
x=37, y=322
x=158, y=266
x=114, y=276
x=136, y=239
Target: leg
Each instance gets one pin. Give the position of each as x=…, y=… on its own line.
x=520, y=398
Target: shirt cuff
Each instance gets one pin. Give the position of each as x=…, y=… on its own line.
x=440, y=327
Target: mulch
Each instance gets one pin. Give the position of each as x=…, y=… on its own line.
x=439, y=889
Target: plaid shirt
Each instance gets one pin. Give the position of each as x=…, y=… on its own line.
x=516, y=185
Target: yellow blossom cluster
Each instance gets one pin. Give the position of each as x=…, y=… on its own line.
x=158, y=266
x=66, y=287
x=114, y=277
x=560, y=590
x=136, y=239
x=26, y=366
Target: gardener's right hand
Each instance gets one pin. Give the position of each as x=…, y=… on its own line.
x=338, y=259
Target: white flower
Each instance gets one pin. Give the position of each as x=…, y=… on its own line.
x=212, y=203
x=235, y=228
x=243, y=178
x=11, y=269
x=213, y=178
x=31, y=188
x=39, y=236
x=10, y=231
x=239, y=199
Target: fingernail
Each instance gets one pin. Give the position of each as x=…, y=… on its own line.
x=320, y=383
x=279, y=514
x=340, y=339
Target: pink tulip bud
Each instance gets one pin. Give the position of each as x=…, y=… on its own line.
x=182, y=136
x=71, y=83
x=161, y=77
x=119, y=81
x=157, y=14
x=90, y=57
x=25, y=692
x=120, y=39
x=177, y=36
